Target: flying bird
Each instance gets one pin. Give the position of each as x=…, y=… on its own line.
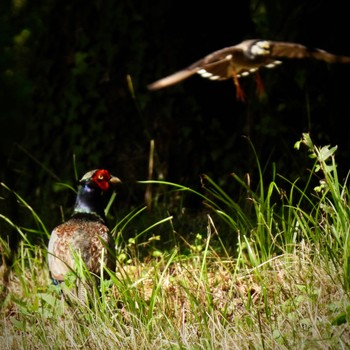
x=245, y=58
x=85, y=233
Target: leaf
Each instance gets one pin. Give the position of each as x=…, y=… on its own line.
x=325, y=153
x=340, y=319
x=307, y=140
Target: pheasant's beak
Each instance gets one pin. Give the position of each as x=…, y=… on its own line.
x=114, y=180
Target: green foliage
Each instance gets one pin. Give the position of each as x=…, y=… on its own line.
x=333, y=207
x=290, y=259
x=243, y=256
x=73, y=77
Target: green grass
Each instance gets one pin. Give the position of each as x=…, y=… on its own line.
x=277, y=278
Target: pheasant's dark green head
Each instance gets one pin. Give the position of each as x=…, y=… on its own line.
x=95, y=189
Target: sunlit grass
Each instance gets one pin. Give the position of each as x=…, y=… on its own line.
x=285, y=285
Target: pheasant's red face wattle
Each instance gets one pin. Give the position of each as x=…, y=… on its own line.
x=101, y=178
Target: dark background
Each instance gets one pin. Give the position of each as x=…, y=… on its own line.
x=65, y=101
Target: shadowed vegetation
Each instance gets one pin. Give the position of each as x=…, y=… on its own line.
x=282, y=281
x=226, y=236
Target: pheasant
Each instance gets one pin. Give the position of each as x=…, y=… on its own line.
x=246, y=58
x=85, y=233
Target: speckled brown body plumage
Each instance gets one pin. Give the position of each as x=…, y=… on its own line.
x=83, y=234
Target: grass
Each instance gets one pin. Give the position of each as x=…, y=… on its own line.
x=277, y=279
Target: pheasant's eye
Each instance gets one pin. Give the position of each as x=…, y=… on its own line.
x=101, y=179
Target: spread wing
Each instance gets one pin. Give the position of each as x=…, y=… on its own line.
x=280, y=49
x=172, y=79
x=212, y=66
